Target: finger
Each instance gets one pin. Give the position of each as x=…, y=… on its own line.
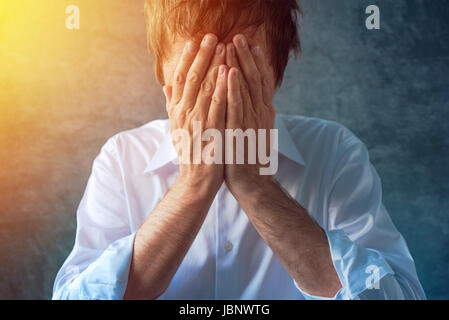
x=234, y=111
x=217, y=112
x=180, y=75
x=198, y=70
x=232, y=62
x=168, y=91
x=249, y=68
x=266, y=75
x=208, y=85
x=231, y=58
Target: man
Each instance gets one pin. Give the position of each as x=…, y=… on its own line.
x=151, y=225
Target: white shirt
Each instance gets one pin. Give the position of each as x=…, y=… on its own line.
x=321, y=164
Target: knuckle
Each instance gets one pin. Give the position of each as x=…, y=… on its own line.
x=179, y=78
x=245, y=87
x=207, y=88
x=255, y=79
x=193, y=77
x=217, y=100
x=178, y=115
x=265, y=82
x=237, y=101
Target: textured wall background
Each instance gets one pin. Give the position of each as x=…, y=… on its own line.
x=63, y=93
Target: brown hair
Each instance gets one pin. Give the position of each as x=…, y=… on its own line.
x=190, y=18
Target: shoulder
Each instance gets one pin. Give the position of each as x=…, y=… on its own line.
x=319, y=138
x=137, y=146
x=150, y=134
x=317, y=128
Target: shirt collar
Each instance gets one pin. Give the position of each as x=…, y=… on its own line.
x=167, y=153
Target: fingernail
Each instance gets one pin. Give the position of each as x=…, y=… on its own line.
x=190, y=47
x=256, y=51
x=222, y=70
x=235, y=73
x=219, y=49
x=242, y=42
x=231, y=50
x=209, y=40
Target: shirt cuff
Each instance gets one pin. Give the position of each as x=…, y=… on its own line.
x=358, y=268
x=107, y=277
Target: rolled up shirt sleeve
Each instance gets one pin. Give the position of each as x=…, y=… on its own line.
x=370, y=256
x=98, y=266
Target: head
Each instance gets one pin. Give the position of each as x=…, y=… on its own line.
x=271, y=24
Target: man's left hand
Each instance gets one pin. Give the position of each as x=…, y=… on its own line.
x=250, y=106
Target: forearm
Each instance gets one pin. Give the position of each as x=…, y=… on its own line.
x=295, y=238
x=196, y=93
x=164, y=239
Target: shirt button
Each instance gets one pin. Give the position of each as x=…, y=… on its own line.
x=228, y=246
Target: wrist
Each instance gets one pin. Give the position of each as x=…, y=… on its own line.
x=204, y=185
x=255, y=186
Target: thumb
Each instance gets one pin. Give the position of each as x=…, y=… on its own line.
x=167, y=92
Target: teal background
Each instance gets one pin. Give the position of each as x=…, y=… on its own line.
x=389, y=86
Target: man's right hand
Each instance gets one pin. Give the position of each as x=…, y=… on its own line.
x=198, y=93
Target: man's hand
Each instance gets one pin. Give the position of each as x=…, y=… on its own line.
x=295, y=238
x=250, y=106
x=198, y=93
